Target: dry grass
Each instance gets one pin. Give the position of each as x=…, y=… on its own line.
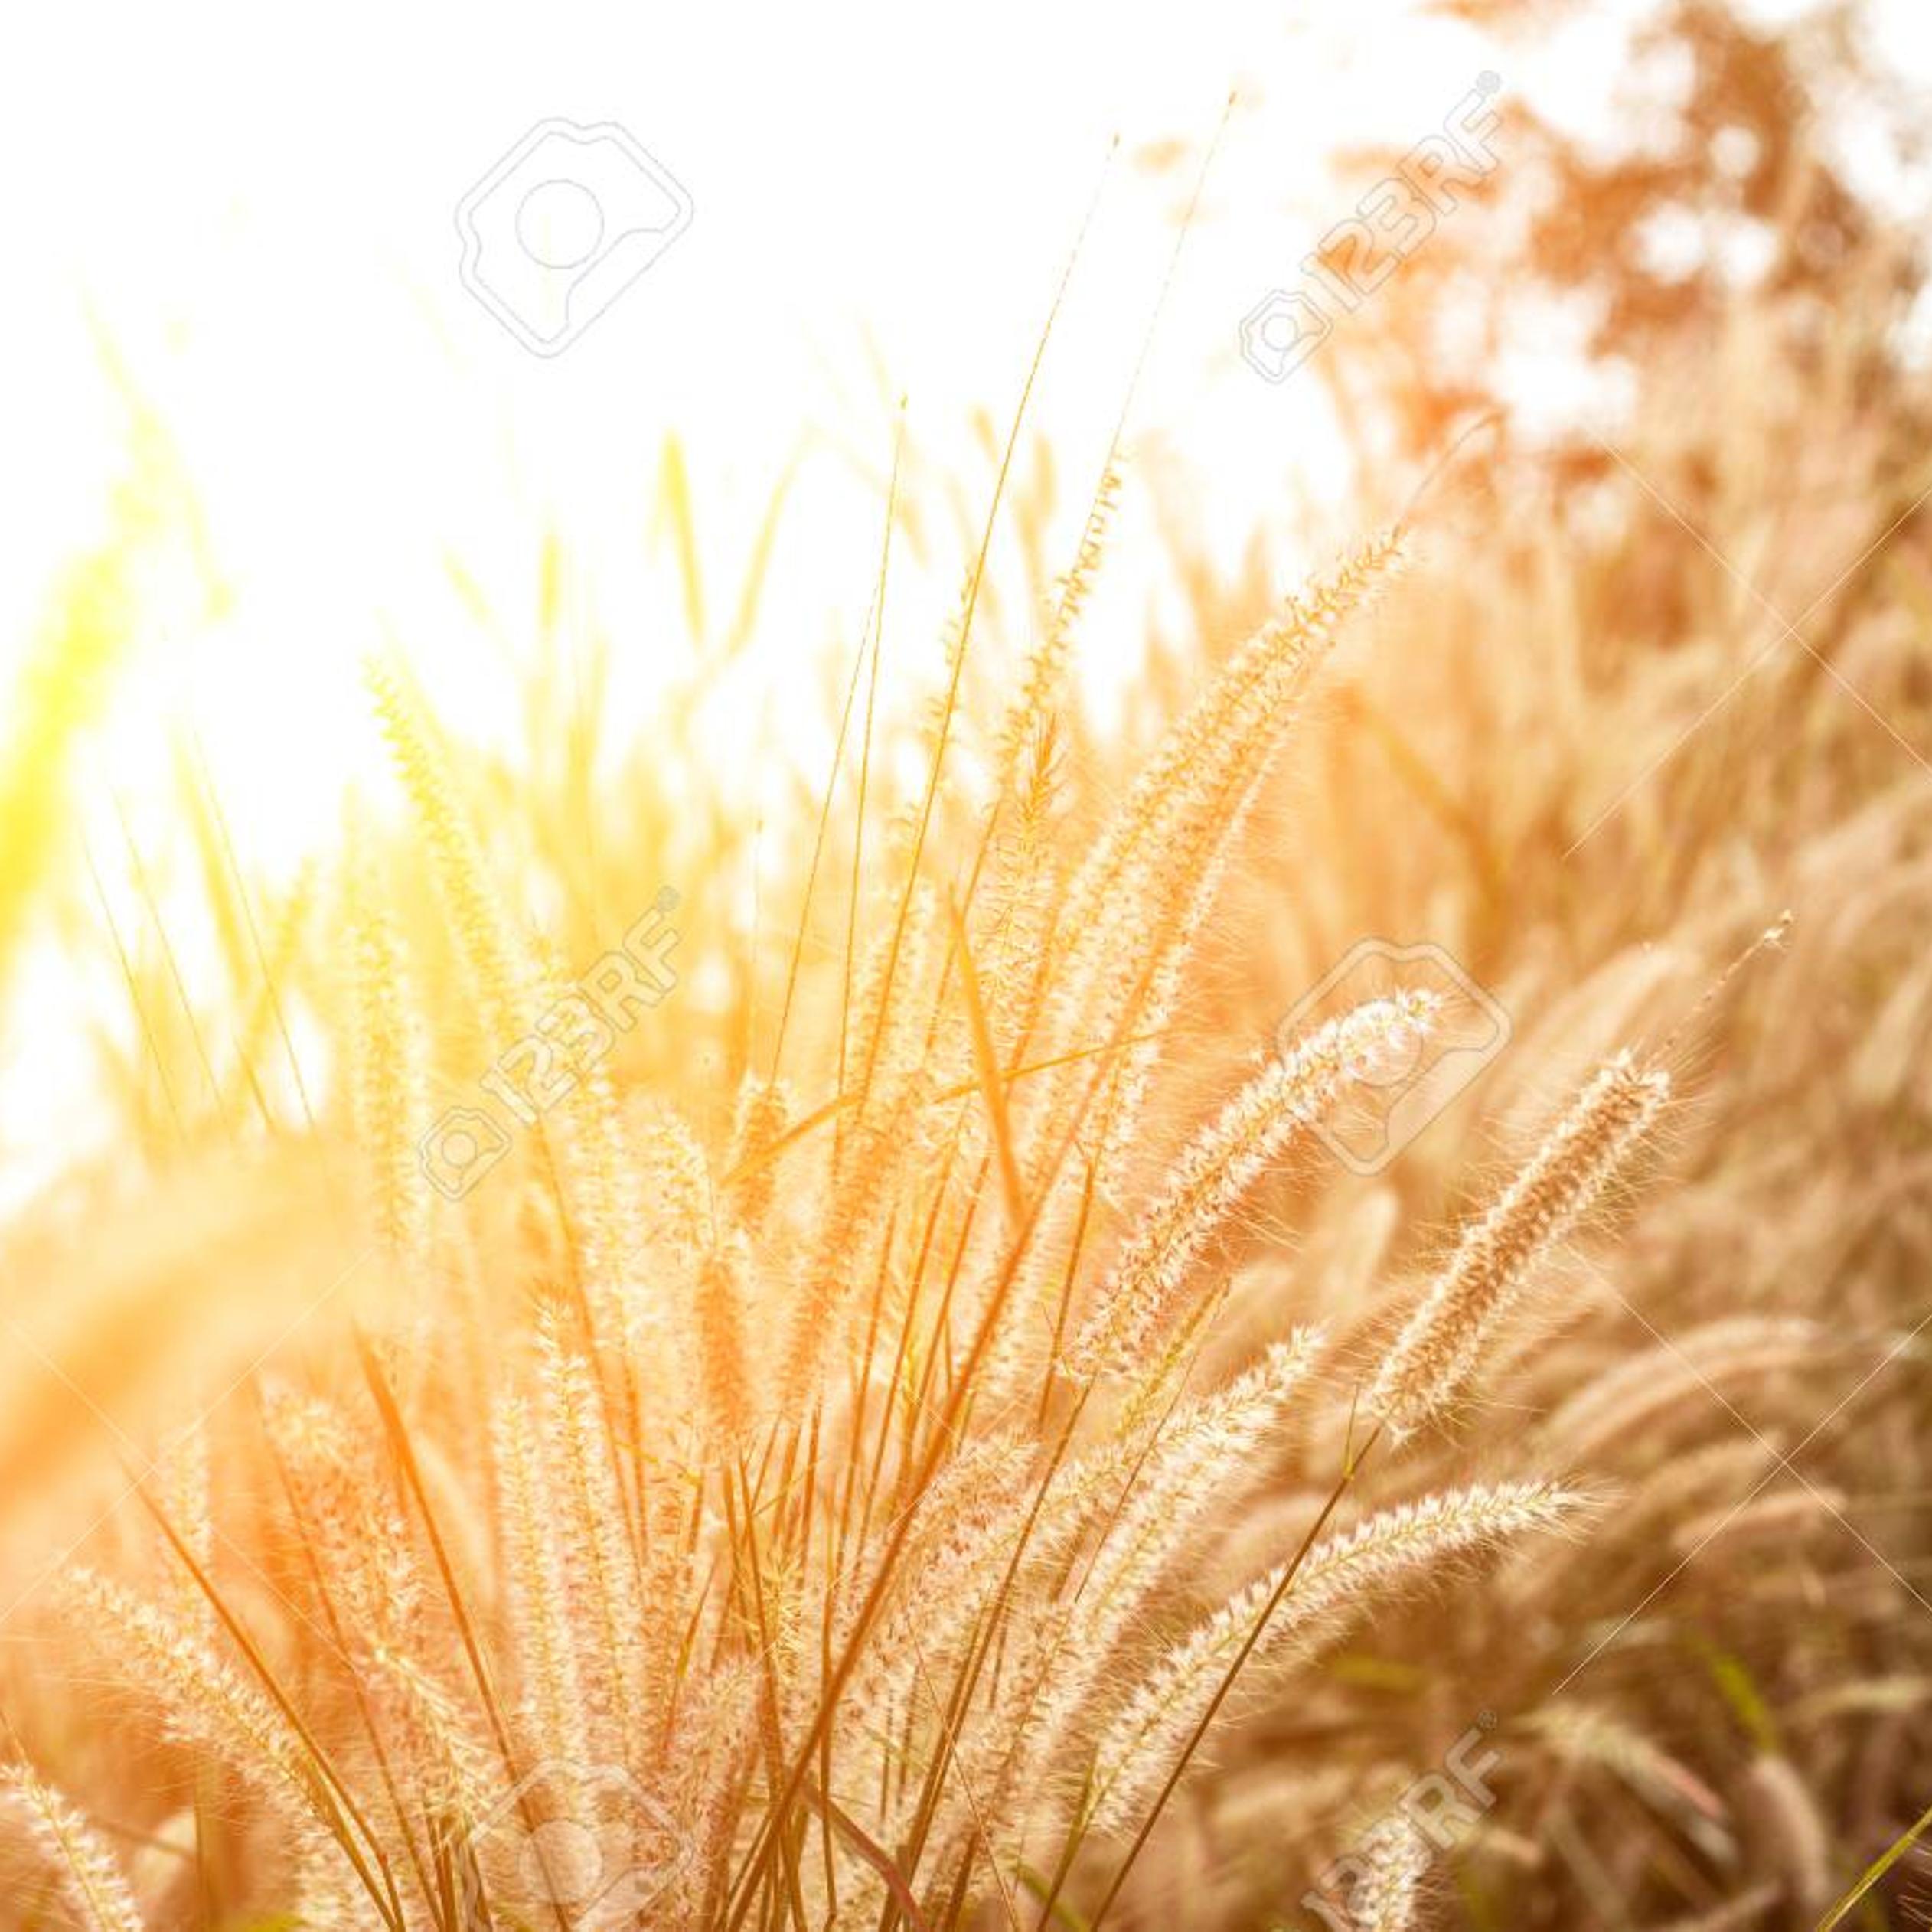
x=922, y=1433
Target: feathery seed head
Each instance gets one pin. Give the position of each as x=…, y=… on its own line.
x=1500, y=1251
x=1280, y=1103
x=1341, y=1577
x=89, y=1875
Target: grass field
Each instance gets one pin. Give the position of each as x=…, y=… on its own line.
x=1303, y=1309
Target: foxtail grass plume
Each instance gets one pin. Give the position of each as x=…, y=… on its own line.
x=1498, y=1253
x=1283, y=1101
x=1342, y=1577
x=91, y=1886
x=1387, y=1896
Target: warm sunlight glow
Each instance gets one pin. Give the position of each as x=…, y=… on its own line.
x=966, y=971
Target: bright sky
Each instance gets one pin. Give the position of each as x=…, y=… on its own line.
x=262, y=222
x=256, y=207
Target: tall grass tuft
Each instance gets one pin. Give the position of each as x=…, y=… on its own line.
x=814, y=1522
